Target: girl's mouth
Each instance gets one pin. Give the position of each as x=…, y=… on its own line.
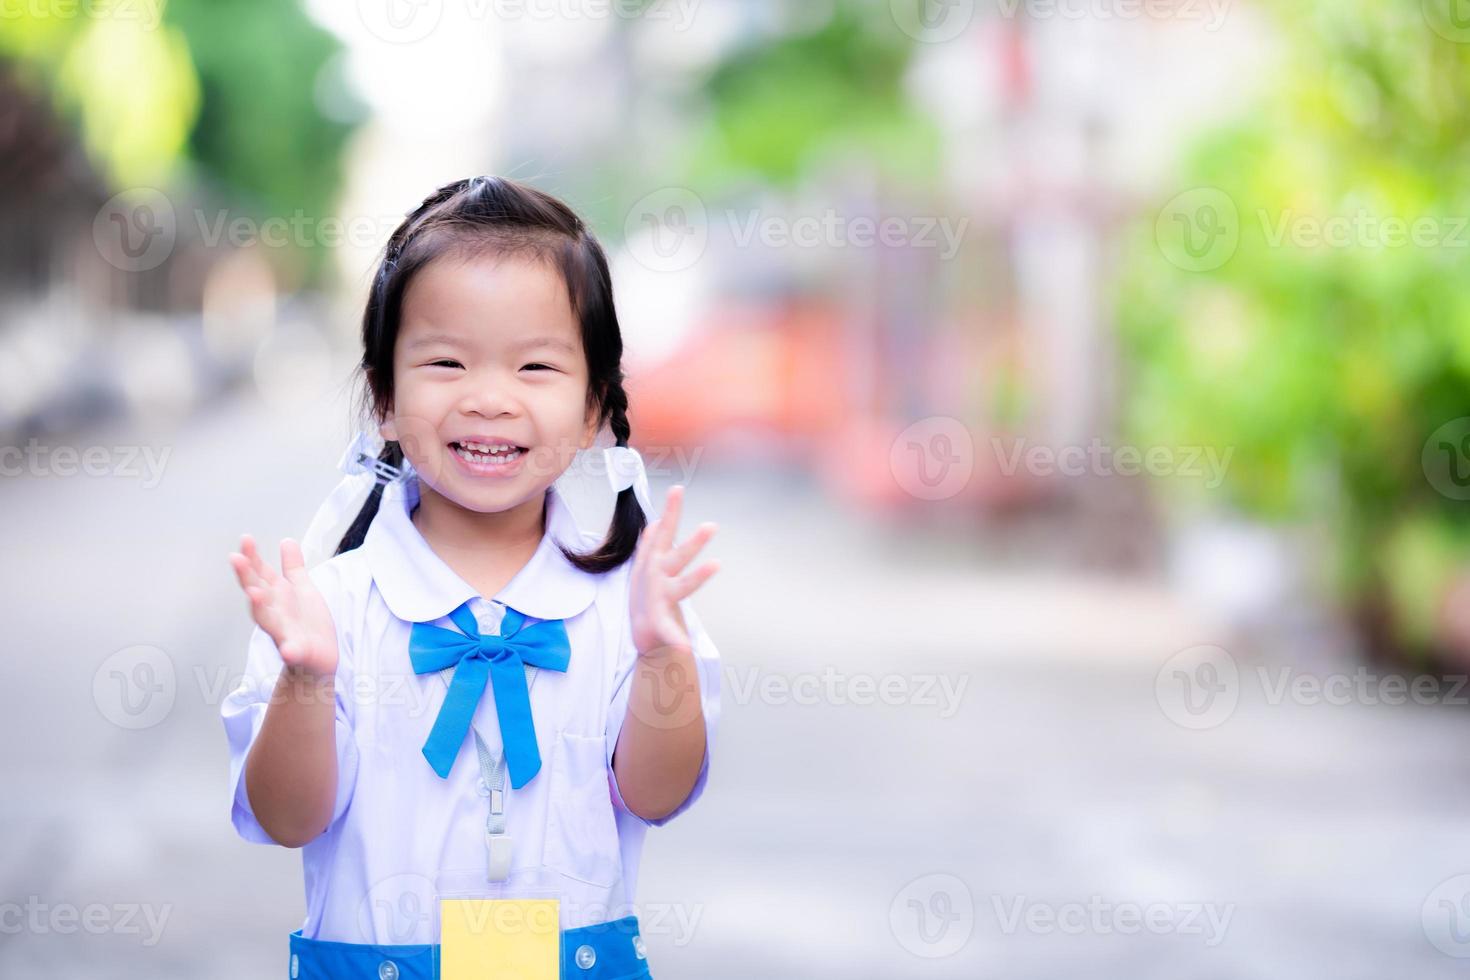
x=488, y=459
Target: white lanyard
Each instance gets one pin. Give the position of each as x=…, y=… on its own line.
x=492, y=785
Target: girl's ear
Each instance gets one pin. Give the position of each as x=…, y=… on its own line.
x=389, y=429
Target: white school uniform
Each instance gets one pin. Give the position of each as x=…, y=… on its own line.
x=397, y=828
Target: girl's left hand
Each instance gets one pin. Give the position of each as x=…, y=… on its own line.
x=657, y=585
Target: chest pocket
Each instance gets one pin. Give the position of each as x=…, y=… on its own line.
x=581, y=828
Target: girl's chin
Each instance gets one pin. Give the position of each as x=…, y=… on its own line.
x=466, y=499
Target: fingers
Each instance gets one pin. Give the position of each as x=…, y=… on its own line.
x=241, y=566
x=668, y=522
x=674, y=561
x=258, y=565
x=656, y=545
x=685, y=585
x=291, y=560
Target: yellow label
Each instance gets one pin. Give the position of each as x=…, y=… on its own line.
x=495, y=938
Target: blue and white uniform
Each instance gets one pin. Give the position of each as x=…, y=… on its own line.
x=401, y=835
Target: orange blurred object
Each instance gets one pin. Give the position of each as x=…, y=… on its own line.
x=773, y=372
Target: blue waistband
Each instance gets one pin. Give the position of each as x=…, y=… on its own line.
x=605, y=951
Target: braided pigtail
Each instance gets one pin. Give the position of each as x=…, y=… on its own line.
x=628, y=520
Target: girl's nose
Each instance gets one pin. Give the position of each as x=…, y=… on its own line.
x=488, y=401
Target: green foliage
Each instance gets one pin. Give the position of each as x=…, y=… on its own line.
x=259, y=132
x=226, y=87
x=782, y=106
x=1327, y=365
x=126, y=83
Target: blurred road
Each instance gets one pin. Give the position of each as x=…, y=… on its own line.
x=1048, y=816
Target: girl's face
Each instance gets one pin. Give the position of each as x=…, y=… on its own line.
x=490, y=380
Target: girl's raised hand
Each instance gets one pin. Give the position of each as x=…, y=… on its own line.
x=657, y=583
x=288, y=607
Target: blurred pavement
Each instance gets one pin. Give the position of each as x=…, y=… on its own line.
x=1318, y=832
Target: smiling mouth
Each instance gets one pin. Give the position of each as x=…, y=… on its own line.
x=482, y=454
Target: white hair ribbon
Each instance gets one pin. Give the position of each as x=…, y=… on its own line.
x=624, y=470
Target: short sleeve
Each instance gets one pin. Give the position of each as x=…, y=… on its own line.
x=707, y=665
x=243, y=713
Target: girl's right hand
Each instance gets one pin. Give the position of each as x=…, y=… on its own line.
x=288, y=607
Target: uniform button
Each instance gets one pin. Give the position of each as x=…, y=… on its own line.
x=481, y=787
x=295, y=966
x=639, y=948
x=387, y=970
x=586, y=956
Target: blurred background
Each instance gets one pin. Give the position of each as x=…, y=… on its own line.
x=1082, y=388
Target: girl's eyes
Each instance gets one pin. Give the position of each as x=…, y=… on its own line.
x=446, y=362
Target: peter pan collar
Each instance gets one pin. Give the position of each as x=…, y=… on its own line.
x=419, y=587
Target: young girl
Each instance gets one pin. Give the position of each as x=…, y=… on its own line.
x=470, y=715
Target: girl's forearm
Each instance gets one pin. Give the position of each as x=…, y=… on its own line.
x=291, y=772
x=660, y=748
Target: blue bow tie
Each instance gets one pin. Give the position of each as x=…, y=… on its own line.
x=498, y=659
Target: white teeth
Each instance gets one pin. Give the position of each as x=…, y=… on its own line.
x=484, y=447
x=495, y=458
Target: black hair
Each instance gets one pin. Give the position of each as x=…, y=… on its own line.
x=503, y=215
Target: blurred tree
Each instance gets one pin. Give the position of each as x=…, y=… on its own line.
x=1332, y=339
x=260, y=131
x=782, y=104
x=128, y=85
x=226, y=87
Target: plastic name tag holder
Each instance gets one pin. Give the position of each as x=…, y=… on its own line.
x=488, y=930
